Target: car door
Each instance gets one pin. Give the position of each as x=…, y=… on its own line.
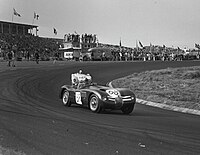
x=80, y=96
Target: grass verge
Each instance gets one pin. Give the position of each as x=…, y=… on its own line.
x=173, y=86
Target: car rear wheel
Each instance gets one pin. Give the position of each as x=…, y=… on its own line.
x=128, y=109
x=65, y=99
x=94, y=104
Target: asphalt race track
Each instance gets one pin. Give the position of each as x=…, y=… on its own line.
x=33, y=120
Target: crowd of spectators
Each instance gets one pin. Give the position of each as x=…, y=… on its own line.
x=151, y=53
x=27, y=45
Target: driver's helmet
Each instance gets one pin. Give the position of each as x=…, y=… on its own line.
x=88, y=79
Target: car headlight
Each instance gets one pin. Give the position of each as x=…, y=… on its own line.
x=104, y=98
x=113, y=92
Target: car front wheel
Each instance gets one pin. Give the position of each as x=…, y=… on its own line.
x=65, y=99
x=94, y=104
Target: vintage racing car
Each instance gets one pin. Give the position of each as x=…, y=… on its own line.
x=84, y=92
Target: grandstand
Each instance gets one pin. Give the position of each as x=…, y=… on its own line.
x=23, y=40
x=17, y=28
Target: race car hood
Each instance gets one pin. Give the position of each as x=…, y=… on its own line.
x=122, y=91
x=98, y=87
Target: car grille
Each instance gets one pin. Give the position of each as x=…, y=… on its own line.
x=127, y=98
x=124, y=98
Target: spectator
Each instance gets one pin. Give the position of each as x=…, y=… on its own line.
x=120, y=56
x=37, y=57
x=10, y=56
x=27, y=55
x=56, y=57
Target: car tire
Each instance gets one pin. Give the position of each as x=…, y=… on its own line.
x=94, y=104
x=66, y=99
x=127, y=109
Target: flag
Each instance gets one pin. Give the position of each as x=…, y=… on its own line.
x=36, y=16
x=141, y=44
x=16, y=13
x=197, y=46
x=54, y=31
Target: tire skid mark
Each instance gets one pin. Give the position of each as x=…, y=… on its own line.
x=27, y=93
x=16, y=98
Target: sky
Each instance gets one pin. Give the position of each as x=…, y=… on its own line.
x=173, y=23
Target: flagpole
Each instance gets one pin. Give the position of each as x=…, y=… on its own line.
x=12, y=22
x=12, y=17
x=136, y=46
x=33, y=21
x=32, y=25
x=12, y=10
x=34, y=16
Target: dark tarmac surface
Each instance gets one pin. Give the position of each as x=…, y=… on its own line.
x=33, y=120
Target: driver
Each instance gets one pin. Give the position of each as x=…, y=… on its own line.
x=80, y=80
x=83, y=84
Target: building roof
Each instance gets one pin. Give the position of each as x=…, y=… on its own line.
x=19, y=24
x=70, y=48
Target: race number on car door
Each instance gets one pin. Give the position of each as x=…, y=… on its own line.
x=78, y=97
